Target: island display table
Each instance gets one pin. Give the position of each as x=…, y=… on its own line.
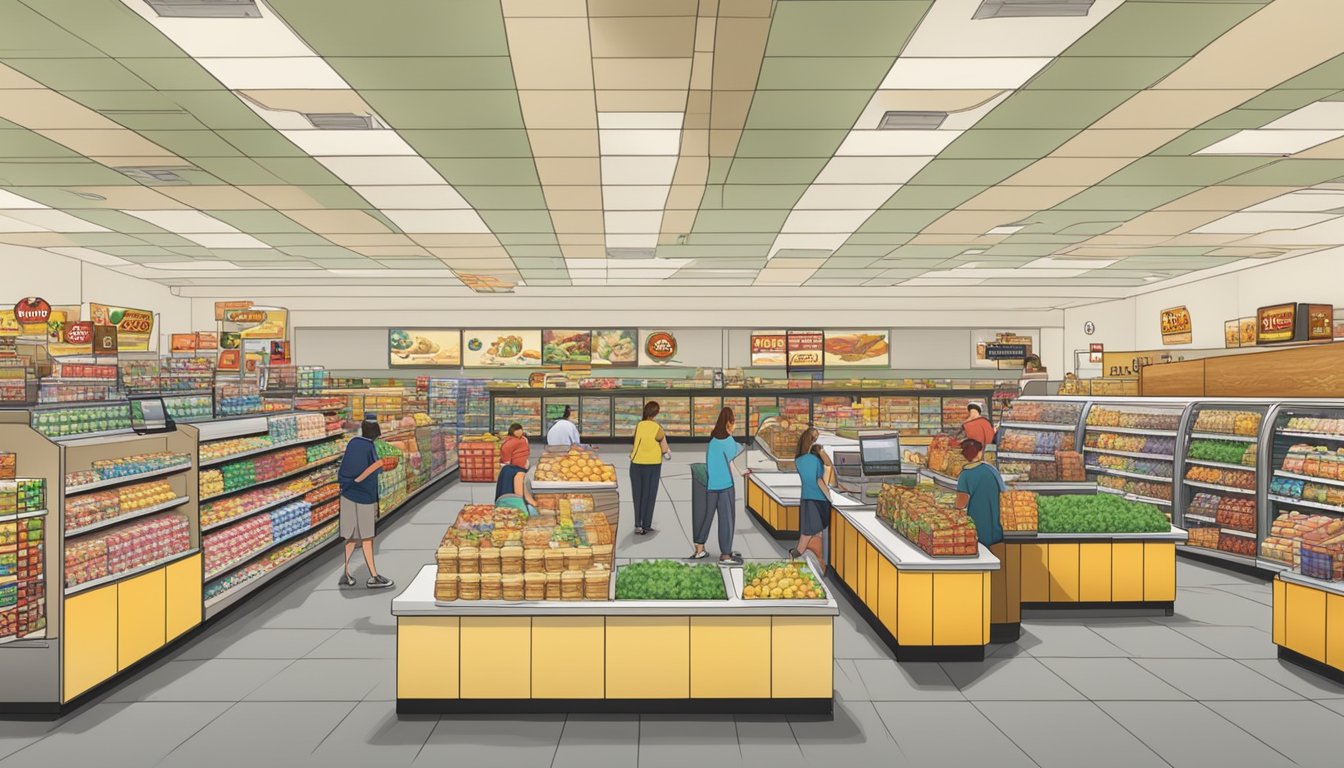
x=1309, y=623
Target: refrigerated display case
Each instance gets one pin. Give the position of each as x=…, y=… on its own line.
x=14, y=385
x=1032, y=430
x=595, y=416
x=1220, y=479
x=739, y=406
x=1305, y=499
x=837, y=412
x=554, y=406
x=522, y=410
x=674, y=414
x=627, y=411
x=705, y=412
x=474, y=398
x=1131, y=447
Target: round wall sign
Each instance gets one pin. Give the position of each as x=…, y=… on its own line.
x=1089, y=328
x=32, y=311
x=660, y=346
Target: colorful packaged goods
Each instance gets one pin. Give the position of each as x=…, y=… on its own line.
x=1319, y=426
x=126, y=548
x=1315, y=461
x=1237, y=514
x=1027, y=441
x=261, y=566
x=1236, y=545
x=1286, y=534
x=1070, y=465
x=1129, y=464
x=1100, y=416
x=937, y=528
x=64, y=422
x=1206, y=538
x=1156, y=445
x=1144, y=488
x=1018, y=511
x=1100, y=513
x=575, y=466
x=127, y=466
x=87, y=509
x=1232, y=478
x=1243, y=423
x=1033, y=412
x=1323, y=552
x=1221, y=451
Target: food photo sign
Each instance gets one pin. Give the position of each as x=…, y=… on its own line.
x=857, y=349
x=494, y=348
x=769, y=349
x=659, y=348
x=616, y=347
x=424, y=347
x=566, y=347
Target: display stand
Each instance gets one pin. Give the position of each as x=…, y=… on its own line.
x=773, y=498
x=1309, y=623
x=1114, y=571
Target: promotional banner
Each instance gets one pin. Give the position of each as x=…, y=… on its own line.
x=1231, y=334
x=985, y=339
x=768, y=349
x=134, y=326
x=485, y=348
x=617, y=347
x=207, y=340
x=229, y=359
x=1176, y=326
x=867, y=349
x=67, y=335
x=32, y=314
x=222, y=308
x=280, y=353
x=1276, y=324
x=1248, y=331
x=806, y=350
x=566, y=347
x=424, y=347
x=260, y=322
x=183, y=342
x=659, y=348
x=1320, y=322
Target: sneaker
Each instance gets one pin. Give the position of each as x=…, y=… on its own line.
x=379, y=582
x=346, y=581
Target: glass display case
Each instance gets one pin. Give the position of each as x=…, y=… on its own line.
x=1303, y=519
x=1221, y=478
x=1130, y=447
x=740, y=418
x=14, y=387
x=836, y=412
x=522, y=410
x=594, y=416
x=674, y=414
x=555, y=408
x=238, y=399
x=627, y=410
x=705, y=414
x=474, y=406
x=82, y=420
x=1031, y=431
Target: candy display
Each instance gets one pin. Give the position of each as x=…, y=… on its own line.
x=927, y=522
x=261, y=566
x=125, y=548
x=1222, y=451
x=1100, y=513
x=127, y=466
x=1100, y=416
x=1232, y=478
x=669, y=580
x=281, y=431
x=791, y=580
x=575, y=466
x=1033, y=412
x=248, y=502
x=1243, y=423
x=88, y=509
x=26, y=494
x=63, y=422
x=1018, y=511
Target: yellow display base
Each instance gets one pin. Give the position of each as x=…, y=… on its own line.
x=1092, y=574
x=922, y=615
x=615, y=663
x=778, y=520
x=1309, y=627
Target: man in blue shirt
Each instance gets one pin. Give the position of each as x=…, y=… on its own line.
x=358, y=478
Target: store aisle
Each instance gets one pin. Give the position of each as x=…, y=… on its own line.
x=305, y=676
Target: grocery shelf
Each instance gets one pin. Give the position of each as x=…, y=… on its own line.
x=1201, y=518
x=300, y=470
x=1127, y=473
x=1272, y=565
x=23, y=515
x=1026, y=456
x=230, y=596
x=1220, y=436
x=446, y=472
x=1311, y=435
x=263, y=508
x=113, y=578
x=126, y=432
x=1131, y=454
x=1237, y=532
x=1063, y=487
x=253, y=555
x=1217, y=553
x=1304, y=503
x=1131, y=430
x=1134, y=496
x=40, y=635
x=267, y=449
x=71, y=490
x=1223, y=488
x=1308, y=478
x=1219, y=464
x=1041, y=426
x=119, y=519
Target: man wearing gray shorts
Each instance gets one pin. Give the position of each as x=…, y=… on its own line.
x=358, y=478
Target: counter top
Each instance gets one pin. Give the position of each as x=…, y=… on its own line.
x=906, y=556
x=1293, y=577
x=1175, y=534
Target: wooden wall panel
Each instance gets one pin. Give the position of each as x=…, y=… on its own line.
x=1302, y=372
x=1182, y=379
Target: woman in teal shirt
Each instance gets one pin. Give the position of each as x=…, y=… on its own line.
x=978, y=489
x=720, y=484
x=814, y=505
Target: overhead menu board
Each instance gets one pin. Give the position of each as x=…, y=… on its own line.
x=487, y=348
x=768, y=349
x=616, y=347
x=566, y=347
x=424, y=347
x=806, y=350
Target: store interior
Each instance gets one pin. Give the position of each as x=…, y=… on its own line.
x=836, y=242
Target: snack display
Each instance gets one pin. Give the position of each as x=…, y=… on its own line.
x=1304, y=490
x=1035, y=412
x=232, y=545
x=1151, y=468
x=1323, y=552
x=1216, y=421
x=87, y=509
x=125, y=548
x=1098, y=514
x=1028, y=441
x=274, y=559
x=792, y=580
x=26, y=494
x=22, y=583
x=1101, y=416
x=1228, y=512
x=1145, y=444
x=1286, y=534
x=1315, y=461
x=1232, y=478
x=669, y=580
x=1204, y=538
x=185, y=408
x=1329, y=427
x=1018, y=511
x=574, y=466
x=1236, y=545
x=1144, y=488
x=927, y=522
x=127, y=466
x=243, y=504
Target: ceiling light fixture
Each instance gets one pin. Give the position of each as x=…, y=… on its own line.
x=899, y=120
x=341, y=121
x=206, y=9
x=631, y=253
x=1020, y=9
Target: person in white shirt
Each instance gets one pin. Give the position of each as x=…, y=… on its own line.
x=563, y=431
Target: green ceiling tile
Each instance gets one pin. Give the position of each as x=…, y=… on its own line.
x=896, y=261
x=405, y=28
x=1101, y=73
x=928, y=251
x=427, y=73
x=172, y=73
x=1327, y=75
x=940, y=198
x=762, y=196
x=238, y=170
x=807, y=109
x=504, y=198
x=497, y=142
x=321, y=252
x=112, y=27
x=834, y=273
x=189, y=176
x=539, y=252
x=1192, y=142
x=191, y=143
x=1103, y=198
x=194, y=251
x=261, y=143
x=517, y=221
x=289, y=239
x=218, y=109
x=165, y=240
x=300, y=170
x=1057, y=220
x=117, y=221
x=482, y=171
x=1292, y=172
x=526, y=238
x=1006, y=144
x=24, y=143
x=1034, y=250
x=57, y=172
x=406, y=110
x=730, y=220
x=787, y=143
x=99, y=73
x=718, y=170
x=335, y=196
x=28, y=33
x=776, y=171
x=1290, y=99
x=257, y=222
x=968, y=172
x=1336, y=97
x=719, y=239
x=842, y=27
x=858, y=255
x=899, y=221
x=889, y=239
x=527, y=264
x=1161, y=28
x=135, y=251
x=381, y=217
x=1053, y=109
x=1183, y=171
x=782, y=73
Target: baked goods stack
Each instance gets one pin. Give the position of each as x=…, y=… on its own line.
x=1018, y=511
x=1070, y=464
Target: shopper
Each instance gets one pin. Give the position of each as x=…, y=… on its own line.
x=563, y=432
x=646, y=467
x=511, y=489
x=358, y=480
x=722, y=499
x=978, y=489
x=515, y=449
x=977, y=427
x=814, y=504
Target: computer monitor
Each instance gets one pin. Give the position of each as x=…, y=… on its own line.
x=880, y=454
x=149, y=415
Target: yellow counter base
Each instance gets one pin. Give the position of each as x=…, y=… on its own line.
x=778, y=520
x=674, y=664
x=1309, y=624
x=1086, y=573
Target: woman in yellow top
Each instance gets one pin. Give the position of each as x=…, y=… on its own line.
x=646, y=467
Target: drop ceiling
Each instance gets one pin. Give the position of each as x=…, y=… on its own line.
x=1072, y=148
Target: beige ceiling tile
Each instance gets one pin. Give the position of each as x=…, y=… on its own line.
x=632, y=37
x=281, y=196
x=730, y=109
x=38, y=109
x=676, y=224
x=928, y=238
x=695, y=143
x=709, y=7
x=685, y=197
x=545, y=7
x=315, y=101
x=461, y=240
x=156, y=161
x=381, y=239
x=1165, y=223
x=695, y=121
x=131, y=197
x=1036, y=198
x=1330, y=150
x=550, y=53
x=1202, y=239
x=217, y=197
x=480, y=253
x=704, y=33
x=579, y=238
x=784, y=276
x=1117, y=142
x=1173, y=109
x=642, y=7
x=641, y=101
x=386, y=251
x=1248, y=253
x=698, y=102
x=702, y=71
x=1066, y=171
x=1133, y=241
x=1279, y=41
x=747, y=8
x=558, y=109
x=333, y=222
x=36, y=239
x=584, y=251
x=974, y=222
x=569, y=170
x=104, y=142
x=554, y=143
x=637, y=74
x=739, y=46
x=723, y=143
x=691, y=169
x=560, y=198
x=1225, y=198
x=14, y=79
x=577, y=221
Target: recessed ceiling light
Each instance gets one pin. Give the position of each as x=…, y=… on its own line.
x=905, y=120
x=206, y=9
x=1020, y=9
x=87, y=195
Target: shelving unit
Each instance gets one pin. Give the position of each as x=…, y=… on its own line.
x=1130, y=448
x=1303, y=451
x=1219, y=447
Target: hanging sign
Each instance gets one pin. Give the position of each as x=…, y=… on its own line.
x=222, y=308
x=996, y=351
x=806, y=350
x=1176, y=326
x=1276, y=324
x=134, y=326
x=32, y=314
x=105, y=339
x=768, y=349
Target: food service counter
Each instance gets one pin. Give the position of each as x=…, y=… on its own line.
x=1309, y=623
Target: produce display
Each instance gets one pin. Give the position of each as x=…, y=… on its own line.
x=1315, y=425
x=261, y=566
x=1130, y=464
x=189, y=407
x=791, y=580
x=1028, y=441
x=1101, y=416
x=1018, y=511
x=1319, y=493
x=927, y=521
x=670, y=580
x=1145, y=488
x=243, y=504
x=1233, y=478
x=89, y=508
x=1243, y=423
x=1098, y=514
x=1315, y=461
x=478, y=458
x=575, y=466
x=1222, y=451
x=1147, y=444
x=125, y=548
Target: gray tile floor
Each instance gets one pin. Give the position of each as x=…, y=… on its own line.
x=303, y=675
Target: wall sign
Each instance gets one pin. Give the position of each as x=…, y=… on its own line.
x=1231, y=334
x=183, y=342
x=1089, y=328
x=1095, y=352
x=998, y=351
x=865, y=349
x=566, y=347
x=260, y=322
x=492, y=348
x=806, y=349
x=660, y=347
x=105, y=341
x=134, y=326
x=981, y=339
x=1177, y=327
x=31, y=313
x=222, y=308
x=617, y=347
x=1276, y=324
x=1248, y=331
x=1320, y=322
x=768, y=349
x=1127, y=364
x=424, y=347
